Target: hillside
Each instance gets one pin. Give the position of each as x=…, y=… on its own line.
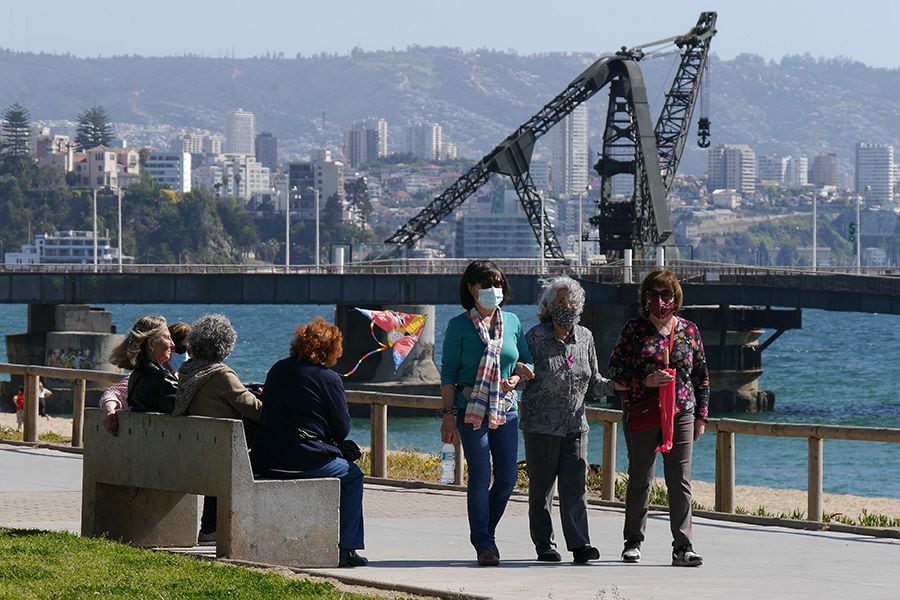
x=797, y=105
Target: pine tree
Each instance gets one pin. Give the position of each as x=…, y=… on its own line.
x=93, y=129
x=16, y=127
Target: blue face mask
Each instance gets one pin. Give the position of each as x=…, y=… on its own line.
x=490, y=297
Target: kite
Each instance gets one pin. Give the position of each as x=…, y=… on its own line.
x=403, y=331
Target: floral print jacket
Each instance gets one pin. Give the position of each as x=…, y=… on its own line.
x=639, y=352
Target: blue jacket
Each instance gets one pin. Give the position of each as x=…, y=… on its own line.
x=300, y=396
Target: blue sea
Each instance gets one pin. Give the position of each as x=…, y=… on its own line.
x=840, y=369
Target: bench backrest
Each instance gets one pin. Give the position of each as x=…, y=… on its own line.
x=197, y=455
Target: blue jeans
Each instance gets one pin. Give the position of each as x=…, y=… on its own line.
x=486, y=503
x=352, y=535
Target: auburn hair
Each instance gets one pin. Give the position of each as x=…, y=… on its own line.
x=660, y=278
x=317, y=342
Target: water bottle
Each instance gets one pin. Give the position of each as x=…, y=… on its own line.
x=448, y=463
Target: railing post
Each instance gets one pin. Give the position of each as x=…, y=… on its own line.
x=32, y=391
x=814, y=482
x=725, y=471
x=458, y=467
x=78, y=393
x=608, y=473
x=378, y=414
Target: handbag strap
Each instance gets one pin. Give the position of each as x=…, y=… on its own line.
x=671, y=349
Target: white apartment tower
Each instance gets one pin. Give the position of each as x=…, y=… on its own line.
x=424, y=141
x=365, y=142
x=570, y=161
x=875, y=172
x=732, y=167
x=240, y=132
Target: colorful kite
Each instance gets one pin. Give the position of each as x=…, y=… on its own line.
x=403, y=331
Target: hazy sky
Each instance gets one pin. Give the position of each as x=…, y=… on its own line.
x=865, y=30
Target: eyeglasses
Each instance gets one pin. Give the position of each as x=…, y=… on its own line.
x=665, y=295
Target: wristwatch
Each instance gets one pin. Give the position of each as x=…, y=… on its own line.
x=447, y=410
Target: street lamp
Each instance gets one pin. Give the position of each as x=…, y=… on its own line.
x=581, y=226
x=316, y=196
x=119, y=194
x=541, y=242
x=95, y=229
x=815, y=228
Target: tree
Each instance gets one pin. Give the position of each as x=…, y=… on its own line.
x=93, y=129
x=16, y=126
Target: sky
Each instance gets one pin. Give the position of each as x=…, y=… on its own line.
x=864, y=30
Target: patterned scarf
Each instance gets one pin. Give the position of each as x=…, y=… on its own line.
x=486, y=396
x=191, y=377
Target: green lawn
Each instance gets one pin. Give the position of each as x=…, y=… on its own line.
x=41, y=564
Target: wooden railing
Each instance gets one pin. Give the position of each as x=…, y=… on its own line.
x=725, y=430
x=80, y=377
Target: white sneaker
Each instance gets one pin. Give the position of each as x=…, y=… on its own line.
x=632, y=553
x=686, y=557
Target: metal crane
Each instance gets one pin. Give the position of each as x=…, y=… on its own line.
x=629, y=131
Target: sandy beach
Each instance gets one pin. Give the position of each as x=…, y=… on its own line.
x=748, y=497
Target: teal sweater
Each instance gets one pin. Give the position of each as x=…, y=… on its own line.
x=463, y=349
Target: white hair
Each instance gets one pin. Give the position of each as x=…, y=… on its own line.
x=550, y=287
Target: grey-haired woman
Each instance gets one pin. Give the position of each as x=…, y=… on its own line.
x=208, y=387
x=553, y=420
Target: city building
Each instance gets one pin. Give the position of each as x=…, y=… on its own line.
x=171, y=169
x=365, y=142
x=875, y=172
x=824, y=170
x=570, y=161
x=96, y=168
x=233, y=175
x=732, y=167
x=797, y=171
x=320, y=174
x=65, y=247
x=191, y=143
x=267, y=150
x=424, y=141
x=772, y=169
x=498, y=228
x=240, y=132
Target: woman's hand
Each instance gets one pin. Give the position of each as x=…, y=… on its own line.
x=110, y=421
x=449, y=434
x=509, y=384
x=657, y=379
x=699, y=428
x=524, y=372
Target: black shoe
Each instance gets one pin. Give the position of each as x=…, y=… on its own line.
x=632, y=552
x=686, y=557
x=549, y=555
x=349, y=558
x=583, y=555
x=489, y=558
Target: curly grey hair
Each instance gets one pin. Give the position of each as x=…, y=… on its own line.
x=550, y=287
x=212, y=338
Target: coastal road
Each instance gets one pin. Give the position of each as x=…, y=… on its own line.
x=419, y=538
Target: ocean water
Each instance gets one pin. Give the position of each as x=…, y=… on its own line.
x=840, y=369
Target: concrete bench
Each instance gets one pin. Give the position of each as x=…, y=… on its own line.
x=142, y=485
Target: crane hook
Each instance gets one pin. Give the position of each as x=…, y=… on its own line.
x=703, y=132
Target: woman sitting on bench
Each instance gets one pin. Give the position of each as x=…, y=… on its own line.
x=304, y=418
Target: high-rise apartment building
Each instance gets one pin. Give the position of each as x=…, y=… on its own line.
x=171, y=169
x=797, y=171
x=824, y=170
x=366, y=141
x=240, y=132
x=570, y=160
x=424, y=141
x=500, y=229
x=875, y=172
x=772, y=168
x=732, y=167
x=266, y=150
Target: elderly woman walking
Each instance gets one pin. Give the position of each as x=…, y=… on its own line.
x=553, y=420
x=208, y=387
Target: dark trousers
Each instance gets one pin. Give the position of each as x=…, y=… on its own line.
x=562, y=460
x=677, y=469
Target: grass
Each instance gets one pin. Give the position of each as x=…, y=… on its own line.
x=41, y=564
x=8, y=434
x=411, y=466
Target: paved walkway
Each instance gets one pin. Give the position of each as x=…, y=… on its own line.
x=420, y=538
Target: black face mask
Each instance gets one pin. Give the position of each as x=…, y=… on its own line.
x=564, y=317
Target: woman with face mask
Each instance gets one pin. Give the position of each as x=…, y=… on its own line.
x=553, y=420
x=650, y=348
x=481, y=349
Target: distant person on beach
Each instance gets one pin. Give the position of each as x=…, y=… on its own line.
x=304, y=420
x=179, y=332
x=146, y=350
x=208, y=387
x=553, y=420
x=43, y=394
x=481, y=348
x=649, y=347
x=18, y=401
